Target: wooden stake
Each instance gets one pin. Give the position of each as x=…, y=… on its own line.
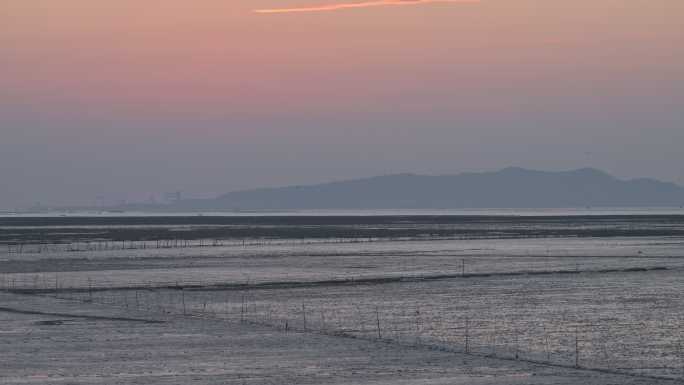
x=467, y=335
x=242, y=310
x=304, y=315
x=577, y=346
x=377, y=319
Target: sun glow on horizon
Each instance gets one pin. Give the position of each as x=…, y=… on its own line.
x=365, y=4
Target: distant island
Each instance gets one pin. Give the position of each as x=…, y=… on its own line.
x=508, y=188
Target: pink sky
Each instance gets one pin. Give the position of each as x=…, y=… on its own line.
x=326, y=95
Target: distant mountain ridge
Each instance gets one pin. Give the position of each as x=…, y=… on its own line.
x=512, y=187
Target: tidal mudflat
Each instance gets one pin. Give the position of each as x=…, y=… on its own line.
x=376, y=300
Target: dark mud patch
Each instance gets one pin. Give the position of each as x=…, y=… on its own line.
x=56, y=322
x=334, y=282
x=78, y=316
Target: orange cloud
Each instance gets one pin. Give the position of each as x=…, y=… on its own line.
x=365, y=4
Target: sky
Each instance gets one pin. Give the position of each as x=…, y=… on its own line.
x=128, y=99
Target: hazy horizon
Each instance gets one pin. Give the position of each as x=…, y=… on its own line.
x=144, y=197
x=536, y=187
x=123, y=99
